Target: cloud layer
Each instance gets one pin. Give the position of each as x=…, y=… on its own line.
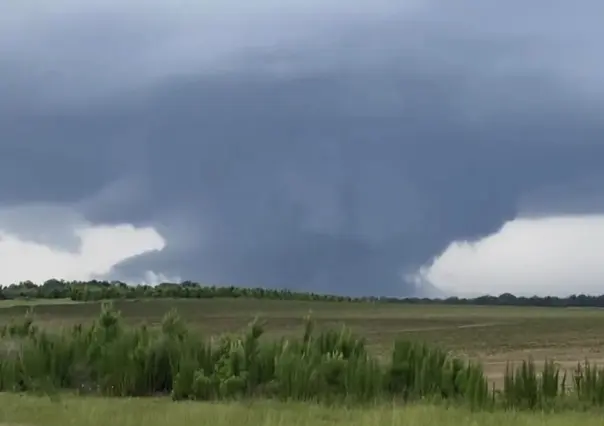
x=315, y=145
x=556, y=256
x=41, y=242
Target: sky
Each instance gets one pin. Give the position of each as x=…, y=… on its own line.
x=396, y=148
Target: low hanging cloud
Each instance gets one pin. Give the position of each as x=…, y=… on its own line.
x=307, y=144
x=555, y=256
x=42, y=242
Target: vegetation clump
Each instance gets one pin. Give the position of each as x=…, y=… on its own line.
x=108, y=358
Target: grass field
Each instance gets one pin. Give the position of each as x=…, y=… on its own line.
x=493, y=335
x=18, y=410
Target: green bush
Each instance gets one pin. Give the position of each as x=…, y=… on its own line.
x=331, y=366
x=111, y=359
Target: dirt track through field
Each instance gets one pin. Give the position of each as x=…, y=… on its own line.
x=481, y=325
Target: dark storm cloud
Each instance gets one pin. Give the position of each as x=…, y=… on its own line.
x=335, y=161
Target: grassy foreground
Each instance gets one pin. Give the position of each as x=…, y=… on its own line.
x=17, y=410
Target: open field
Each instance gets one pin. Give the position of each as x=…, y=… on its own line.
x=110, y=359
x=41, y=411
x=492, y=335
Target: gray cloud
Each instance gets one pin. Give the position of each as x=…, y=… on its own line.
x=300, y=145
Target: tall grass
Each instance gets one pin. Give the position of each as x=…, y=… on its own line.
x=108, y=358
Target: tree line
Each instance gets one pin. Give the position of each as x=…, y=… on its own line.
x=110, y=290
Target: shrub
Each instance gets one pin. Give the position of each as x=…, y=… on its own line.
x=109, y=358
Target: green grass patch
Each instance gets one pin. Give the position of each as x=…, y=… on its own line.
x=20, y=410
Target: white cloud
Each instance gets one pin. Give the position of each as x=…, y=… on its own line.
x=554, y=256
x=78, y=251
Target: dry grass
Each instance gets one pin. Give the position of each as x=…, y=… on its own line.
x=35, y=302
x=492, y=334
